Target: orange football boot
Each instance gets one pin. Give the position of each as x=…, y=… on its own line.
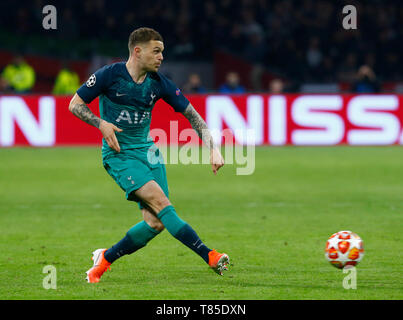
x=218, y=261
x=100, y=266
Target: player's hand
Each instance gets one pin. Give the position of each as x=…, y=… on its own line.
x=108, y=131
x=216, y=160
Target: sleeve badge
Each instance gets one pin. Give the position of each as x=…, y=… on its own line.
x=91, y=81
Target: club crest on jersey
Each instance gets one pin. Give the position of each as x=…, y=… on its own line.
x=153, y=96
x=91, y=81
x=178, y=91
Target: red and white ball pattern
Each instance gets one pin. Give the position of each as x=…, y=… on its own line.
x=344, y=248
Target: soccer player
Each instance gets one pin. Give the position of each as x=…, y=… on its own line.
x=127, y=94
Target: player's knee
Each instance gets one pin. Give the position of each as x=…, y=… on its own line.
x=164, y=202
x=156, y=225
x=160, y=203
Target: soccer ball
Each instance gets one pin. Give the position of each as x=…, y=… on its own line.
x=344, y=248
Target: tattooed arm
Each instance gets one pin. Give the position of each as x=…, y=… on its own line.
x=200, y=126
x=79, y=108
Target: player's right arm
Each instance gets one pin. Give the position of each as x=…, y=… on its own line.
x=96, y=85
x=80, y=109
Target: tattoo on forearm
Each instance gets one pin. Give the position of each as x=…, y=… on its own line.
x=84, y=113
x=199, y=125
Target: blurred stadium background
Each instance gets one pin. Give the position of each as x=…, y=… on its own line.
x=300, y=43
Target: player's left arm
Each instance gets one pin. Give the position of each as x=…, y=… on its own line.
x=200, y=126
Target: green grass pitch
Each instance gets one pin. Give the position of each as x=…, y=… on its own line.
x=57, y=205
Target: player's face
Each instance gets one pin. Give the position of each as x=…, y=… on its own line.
x=151, y=55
